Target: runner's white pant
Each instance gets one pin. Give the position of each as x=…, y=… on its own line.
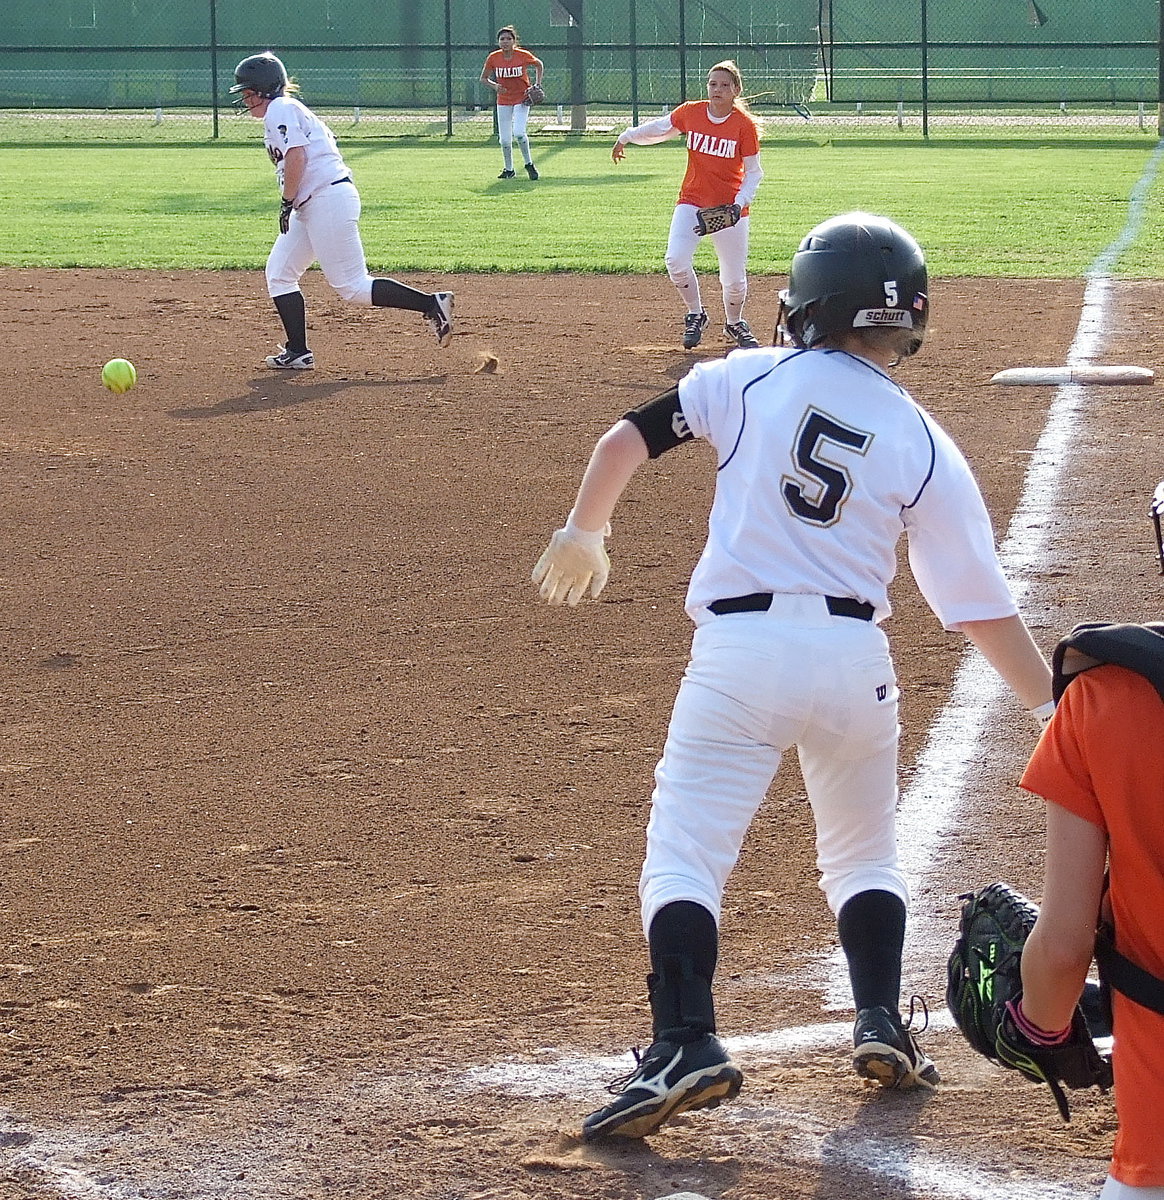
x=731, y=248
x=757, y=684
x=325, y=229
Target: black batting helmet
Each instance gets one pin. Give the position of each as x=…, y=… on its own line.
x=855, y=271
x=262, y=73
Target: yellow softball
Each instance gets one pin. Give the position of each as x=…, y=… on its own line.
x=119, y=375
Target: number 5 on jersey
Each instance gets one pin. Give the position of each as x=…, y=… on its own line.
x=819, y=499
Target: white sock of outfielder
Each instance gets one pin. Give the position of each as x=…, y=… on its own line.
x=687, y=283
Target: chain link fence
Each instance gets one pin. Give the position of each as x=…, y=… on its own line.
x=159, y=69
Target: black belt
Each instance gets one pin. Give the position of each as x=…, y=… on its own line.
x=346, y=179
x=839, y=606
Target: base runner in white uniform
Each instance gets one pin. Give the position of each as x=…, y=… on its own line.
x=823, y=462
x=319, y=215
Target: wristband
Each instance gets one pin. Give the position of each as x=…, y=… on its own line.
x=1043, y=714
x=1032, y=1032
x=585, y=537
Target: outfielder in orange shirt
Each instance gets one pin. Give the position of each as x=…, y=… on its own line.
x=510, y=71
x=723, y=167
x=1100, y=767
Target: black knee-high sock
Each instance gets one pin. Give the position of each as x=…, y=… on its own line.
x=389, y=293
x=871, y=927
x=684, y=944
x=293, y=313
x=684, y=927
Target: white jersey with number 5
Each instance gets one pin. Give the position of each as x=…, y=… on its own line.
x=824, y=462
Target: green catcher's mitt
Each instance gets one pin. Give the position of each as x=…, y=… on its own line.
x=985, y=982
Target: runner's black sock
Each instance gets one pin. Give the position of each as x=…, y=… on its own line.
x=389, y=293
x=293, y=313
x=871, y=927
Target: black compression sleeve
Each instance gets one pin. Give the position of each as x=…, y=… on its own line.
x=661, y=422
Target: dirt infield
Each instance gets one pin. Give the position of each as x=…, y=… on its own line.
x=321, y=835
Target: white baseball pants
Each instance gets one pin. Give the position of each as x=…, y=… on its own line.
x=757, y=684
x=325, y=230
x=512, y=122
x=731, y=248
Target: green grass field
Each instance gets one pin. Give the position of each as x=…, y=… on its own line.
x=1002, y=207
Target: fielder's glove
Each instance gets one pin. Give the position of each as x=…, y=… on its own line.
x=985, y=982
x=285, y=210
x=534, y=94
x=720, y=216
x=574, y=560
x=1075, y=1062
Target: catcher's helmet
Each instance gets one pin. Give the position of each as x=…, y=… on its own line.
x=262, y=73
x=855, y=271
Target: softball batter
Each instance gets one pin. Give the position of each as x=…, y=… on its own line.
x=823, y=462
x=319, y=215
x=509, y=71
x=723, y=167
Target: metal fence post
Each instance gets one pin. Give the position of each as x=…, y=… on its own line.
x=448, y=68
x=682, y=50
x=492, y=44
x=925, y=71
x=214, y=66
x=634, y=64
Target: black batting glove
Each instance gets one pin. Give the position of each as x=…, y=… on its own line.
x=285, y=210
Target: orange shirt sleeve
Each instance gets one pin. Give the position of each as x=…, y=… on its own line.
x=1058, y=770
x=749, y=138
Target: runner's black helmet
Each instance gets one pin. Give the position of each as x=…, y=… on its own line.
x=261, y=73
x=855, y=271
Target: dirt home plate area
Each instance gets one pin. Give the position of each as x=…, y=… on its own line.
x=321, y=834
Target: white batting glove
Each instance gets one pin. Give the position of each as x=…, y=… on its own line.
x=1043, y=714
x=574, y=560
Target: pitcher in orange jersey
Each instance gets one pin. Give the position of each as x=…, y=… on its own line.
x=509, y=71
x=723, y=167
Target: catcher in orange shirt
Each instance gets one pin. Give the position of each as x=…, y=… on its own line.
x=1099, y=767
x=512, y=71
x=723, y=169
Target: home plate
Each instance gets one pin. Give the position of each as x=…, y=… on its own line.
x=1082, y=374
